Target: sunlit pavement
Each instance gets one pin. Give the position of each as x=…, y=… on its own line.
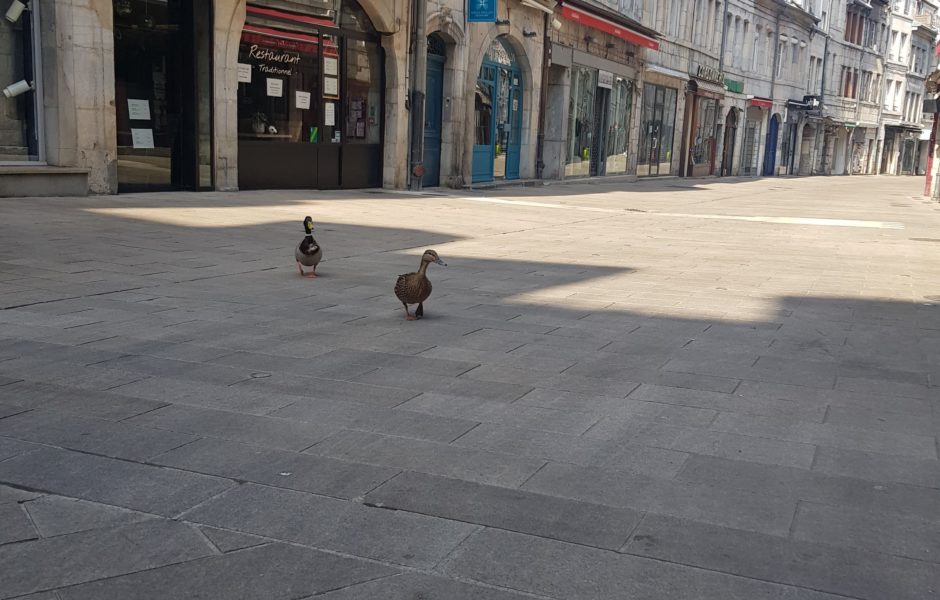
x=667, y=390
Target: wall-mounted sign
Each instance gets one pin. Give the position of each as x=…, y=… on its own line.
x=481, y=11
x=708, y=74
x=273, y=61
x=735, y=86
x=605, y=79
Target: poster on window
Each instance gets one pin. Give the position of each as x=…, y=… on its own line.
x=330, y=87
x=142, y=138
x=244, y=73
x=138, y=110
x=302, y=100
x=275, y=87
x=329, y=114
x=330, y=66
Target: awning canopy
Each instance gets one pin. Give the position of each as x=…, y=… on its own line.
x=708, y=88
x=667, y=72
x=624, y=32
x=762, y=102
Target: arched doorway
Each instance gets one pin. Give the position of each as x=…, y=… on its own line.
x=497, y=115
x=433, y=110
x=731, y=134
x=163, y=94
x=311, y=97
x=770, y=150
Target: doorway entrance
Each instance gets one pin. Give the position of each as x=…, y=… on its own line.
x=770, y=150
x=657, y=130
x=433, y=111
x=163, y=90
x=497, y=116
x=731, y=134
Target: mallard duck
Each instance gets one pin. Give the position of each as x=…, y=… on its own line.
x=308, y=253
x=414, y=288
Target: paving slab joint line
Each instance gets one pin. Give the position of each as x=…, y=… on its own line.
x=212, y=546
x=464, y=433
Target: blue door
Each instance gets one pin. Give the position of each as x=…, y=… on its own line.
x=770, y=152
x=433, y=104
x=497, y=116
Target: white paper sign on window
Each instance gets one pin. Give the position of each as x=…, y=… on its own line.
x=275, y=87
x=330, y=66
x=244, y=73
x=138, y=110
x=142, y=138
x=302, y=100
x=330, y=86
x=329, y=114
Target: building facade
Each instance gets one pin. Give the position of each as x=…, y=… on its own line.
x=145, y=95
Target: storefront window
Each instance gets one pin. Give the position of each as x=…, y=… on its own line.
x=657, y=130
x=483, y=115
x=618, y=133
x=750, y=153
x=19, y=122
x=580, y=122
x=363, y=92
x=703, y=140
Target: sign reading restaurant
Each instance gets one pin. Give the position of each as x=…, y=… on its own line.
x=283, y=61
x=708, y=74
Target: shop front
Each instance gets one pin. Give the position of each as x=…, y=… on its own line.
x=657, y=130
x=310, y=98
x=600, y=107
x=701, y=121
x=497, y=108
x=751, y=147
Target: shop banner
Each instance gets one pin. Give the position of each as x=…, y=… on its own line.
x=481, y=11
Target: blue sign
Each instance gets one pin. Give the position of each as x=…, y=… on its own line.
x=481, y=11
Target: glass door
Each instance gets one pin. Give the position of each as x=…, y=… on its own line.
x=163, y=93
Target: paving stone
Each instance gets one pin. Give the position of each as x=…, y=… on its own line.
x=578, y=450
x=823, y=434
x=428, y=457
x=878, y=467
x=140, y=487
x=71, y=559
x=415, y=586
x=9, y=495
x=486, y=390
x=338, y=525
x=272, y=571
x=859, y=574
x=57, y=515
x=743, y=447
x=207, y=395
x=812, y=486
x=865, y=399
x=120, y=440
x=715, y=504
x=491, y=411
x=16, y=525
x=251, y=429
x=404, y=423
x=303, y=472
x=888, y=422
x=10, y=447
x=229, y=541
x=875, y=531
x=801, y=410
x=502, y=508
x=328, y=389
x=562, y=570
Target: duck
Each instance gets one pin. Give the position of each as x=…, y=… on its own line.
x=308, y=253
x=414, y=288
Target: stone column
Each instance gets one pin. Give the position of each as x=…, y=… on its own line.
x=229, y=20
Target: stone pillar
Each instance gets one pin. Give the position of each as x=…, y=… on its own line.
x=77, y=48
x=229, y=20
x=556, y=122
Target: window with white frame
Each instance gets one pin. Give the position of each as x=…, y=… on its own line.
x=20, y=117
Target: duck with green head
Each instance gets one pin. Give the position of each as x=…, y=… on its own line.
x=308, y=253
x=414, y=288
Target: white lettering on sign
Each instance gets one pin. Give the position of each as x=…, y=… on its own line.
x=269, y=55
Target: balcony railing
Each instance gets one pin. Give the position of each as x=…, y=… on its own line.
x=928, y=20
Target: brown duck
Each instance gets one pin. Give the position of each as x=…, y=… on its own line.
x=414, y=288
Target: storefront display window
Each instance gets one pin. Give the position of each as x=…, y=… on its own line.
x=20, y=134
x=703, y=139
x=657, y=130
x=580, y=122
x=618, y=134
x=310, y=96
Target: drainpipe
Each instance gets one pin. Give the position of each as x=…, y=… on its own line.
x=419, y=48
x=543, y=96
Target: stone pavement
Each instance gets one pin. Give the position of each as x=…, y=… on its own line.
x=665, y=390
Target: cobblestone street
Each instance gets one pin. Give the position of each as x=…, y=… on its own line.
x=668, y=390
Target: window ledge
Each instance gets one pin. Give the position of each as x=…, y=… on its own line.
x=28, y=169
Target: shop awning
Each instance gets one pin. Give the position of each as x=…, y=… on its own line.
x=762, y=102
x=667, y=72
x=595, y=21
x=708, y=87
